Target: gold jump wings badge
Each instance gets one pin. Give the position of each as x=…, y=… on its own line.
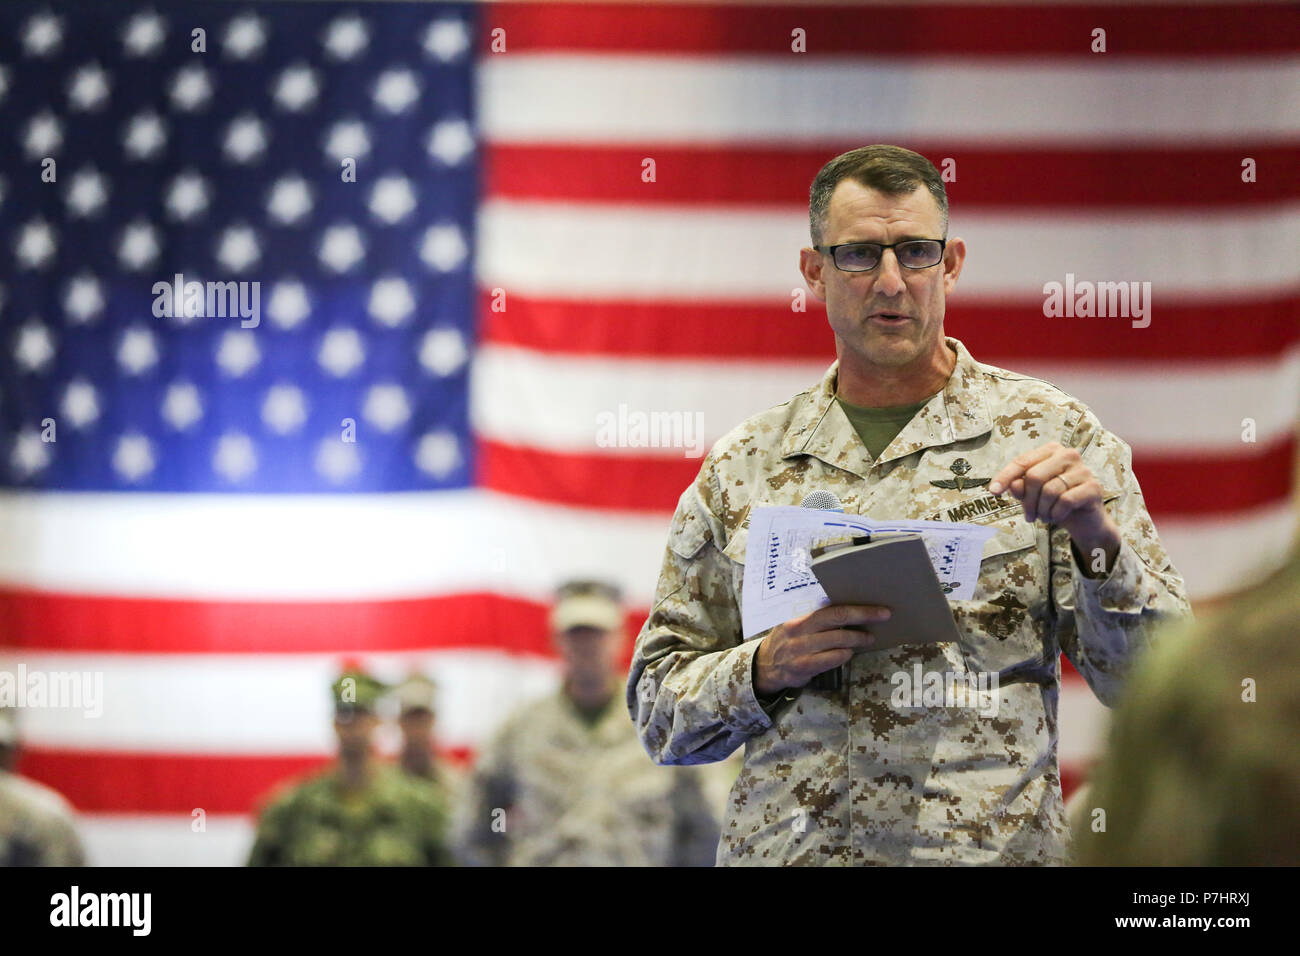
x=959, y=468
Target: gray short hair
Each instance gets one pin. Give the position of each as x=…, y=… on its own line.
x=892, y=170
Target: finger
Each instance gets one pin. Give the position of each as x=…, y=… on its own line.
x=821, y=663
x=1018, y=466
x=1041, y=486
x=848, y=638
x=1079, y=496
x=842, y=615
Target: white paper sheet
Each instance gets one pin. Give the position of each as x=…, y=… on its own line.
x=779, y=584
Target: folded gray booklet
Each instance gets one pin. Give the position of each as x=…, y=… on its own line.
x=892, y=570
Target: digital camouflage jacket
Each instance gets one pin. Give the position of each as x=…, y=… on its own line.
x=855, y=776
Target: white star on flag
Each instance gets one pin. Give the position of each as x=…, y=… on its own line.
x=346, y=37
x=235, y=458
x=245, y=37
x=133, y=459
x=181, y=406
x=87, y=193
x=80, y=405
x=446, y=39
x=88, y=88
x=341, y=351
x=191, y=88
x=289, y=304
x=238, y=352
x=137, y=352
x=143, y=34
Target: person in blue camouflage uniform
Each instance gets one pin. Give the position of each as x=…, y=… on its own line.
x=904, y=424
x=359, y=812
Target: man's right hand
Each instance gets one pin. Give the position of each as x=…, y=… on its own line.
x=795, y=652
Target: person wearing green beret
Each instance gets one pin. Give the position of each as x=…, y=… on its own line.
x=359, y=811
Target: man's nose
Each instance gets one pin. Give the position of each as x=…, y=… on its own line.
x=889, y=277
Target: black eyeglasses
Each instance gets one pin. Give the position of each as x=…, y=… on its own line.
x=865, y=256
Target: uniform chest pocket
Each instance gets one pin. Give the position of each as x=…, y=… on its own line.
x=1000, y=621
x=1011, y=561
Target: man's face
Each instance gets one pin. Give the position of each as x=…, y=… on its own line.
x=355, y=730
x=856, y=300
x=589, y=654
x=416, y=724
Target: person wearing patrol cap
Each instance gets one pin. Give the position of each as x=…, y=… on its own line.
x=359, y=811
x=415, y=718
x=565, y=781
x=37, y=825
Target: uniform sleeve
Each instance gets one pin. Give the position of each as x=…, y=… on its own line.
x=690, y=688
x=1103, y=623
x=433, y=812
x=695, y=827
x=61, y=846
x=268, y=844
x=481, y=832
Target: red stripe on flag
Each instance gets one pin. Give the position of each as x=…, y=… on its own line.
x=1252, y=329
x=629, y=482
x=1205, y=485
x=155, y=783
x=1171, y=484
x=51, y=621
x=902, y=30
x=1006, y=178
x=115, y=782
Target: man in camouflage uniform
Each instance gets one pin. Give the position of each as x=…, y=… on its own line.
x=415, y=698
x=1201, y=766
x=904, y=424
x=566, y=782
x=36, y=823
x=360, y=812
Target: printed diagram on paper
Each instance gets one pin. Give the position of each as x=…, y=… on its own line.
x=780, y=585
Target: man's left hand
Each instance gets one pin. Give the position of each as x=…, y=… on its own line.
x=1054, y=485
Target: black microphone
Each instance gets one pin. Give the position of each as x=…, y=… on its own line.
x=822, y=500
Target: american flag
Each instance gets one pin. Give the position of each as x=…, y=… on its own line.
x=560, y=212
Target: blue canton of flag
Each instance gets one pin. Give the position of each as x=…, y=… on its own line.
x=140, y=166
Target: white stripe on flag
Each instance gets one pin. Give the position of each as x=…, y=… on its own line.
x=544, y=400
x=279, y=704
x=271, y=704
x=118, y=839
x=319, y=547
x=685, y=253
x=360, y=547
x=573, y=98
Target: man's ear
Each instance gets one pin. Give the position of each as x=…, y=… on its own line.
x=954, y=257
x=810, y=265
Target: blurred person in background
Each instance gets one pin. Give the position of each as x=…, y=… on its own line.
x=37, y=826
x=566, y=782
x=416, y=698
x=1202, y=767
x=358, y=812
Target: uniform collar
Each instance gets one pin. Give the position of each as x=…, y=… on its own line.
x=820, y=428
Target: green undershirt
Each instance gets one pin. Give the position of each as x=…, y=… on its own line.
x=877, y=427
